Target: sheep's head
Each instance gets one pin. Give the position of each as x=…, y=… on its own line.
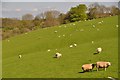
x=93, y=65
x=109, y=64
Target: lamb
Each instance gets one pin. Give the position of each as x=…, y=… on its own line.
x=58, y=55
x=88, y=67
x=102, y=64
x=20, y=56
x=99, y=50
x=71, y=46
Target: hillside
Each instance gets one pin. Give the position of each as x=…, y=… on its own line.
x=37, y=62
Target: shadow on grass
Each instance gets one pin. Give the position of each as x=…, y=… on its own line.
x=95, y=53
x=54, y=57
x=88, y=71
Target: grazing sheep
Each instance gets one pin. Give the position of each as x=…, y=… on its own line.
x=59, y=36
x=93, y=25
x=99, y=50
x=48, y=50
x=99, y=22
x=58, y=55
x=20, y=56
x=111, y=78
x=55, y=31
x=8, y=40
x=116, y=25
x=63, y=35
x=71, y=46
x=88, y=67
x=102, y=64
x=75, y=45
x=73, y=24
x=82, y=30
x=92, y=42
x=65, y=26
x=98, y=29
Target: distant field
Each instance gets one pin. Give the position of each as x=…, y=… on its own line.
x=37, y=62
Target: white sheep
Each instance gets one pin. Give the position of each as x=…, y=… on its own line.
x=63, y=35
x=65, y=26
x=116, y=25
x=75, y=44
x=58, y=55
x=82, y=30
x=59, y=36
x=20, y=56
x=73, y=24
x=93, y=25
x=92, y=42
x=55, y=31
x=71, y=46
x=111, y=78
x=102, y=64
x=88, y=67
x=26, y=33
x=99, y=50
x=48, y=50
x=99, y=22
x=98, y=29
x=8, y=40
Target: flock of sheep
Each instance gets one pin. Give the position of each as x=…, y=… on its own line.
x=89, y=67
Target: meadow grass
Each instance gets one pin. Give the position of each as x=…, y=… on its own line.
x=37, y=62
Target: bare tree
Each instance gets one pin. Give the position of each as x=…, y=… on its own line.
x=27, y=17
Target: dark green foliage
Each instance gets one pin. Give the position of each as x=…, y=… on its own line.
x=77, y=13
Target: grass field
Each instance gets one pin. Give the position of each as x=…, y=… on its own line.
x=37, y=62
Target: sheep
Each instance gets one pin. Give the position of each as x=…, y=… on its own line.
x=116, y=25
x=99, y=50
x=93, y=25
x=59, y=36
x=88, y=67
x=8, y=40
x=63, y=35
x=99, y=22
x=111, y=78
x=73, y=24
x=20, y=56
x=82, y=30
x=65, y=26
x=55, y=31
x=71, y=46
x=26, y=33
x=102, y=64
x=48, y=50
x=92, y=42
x=98, y=29
x=58, y=55
x=75, y=44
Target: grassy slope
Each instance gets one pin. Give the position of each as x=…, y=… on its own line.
x=37, y=62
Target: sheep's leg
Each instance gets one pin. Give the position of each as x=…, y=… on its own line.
x=97, y=69
x=105, y=69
